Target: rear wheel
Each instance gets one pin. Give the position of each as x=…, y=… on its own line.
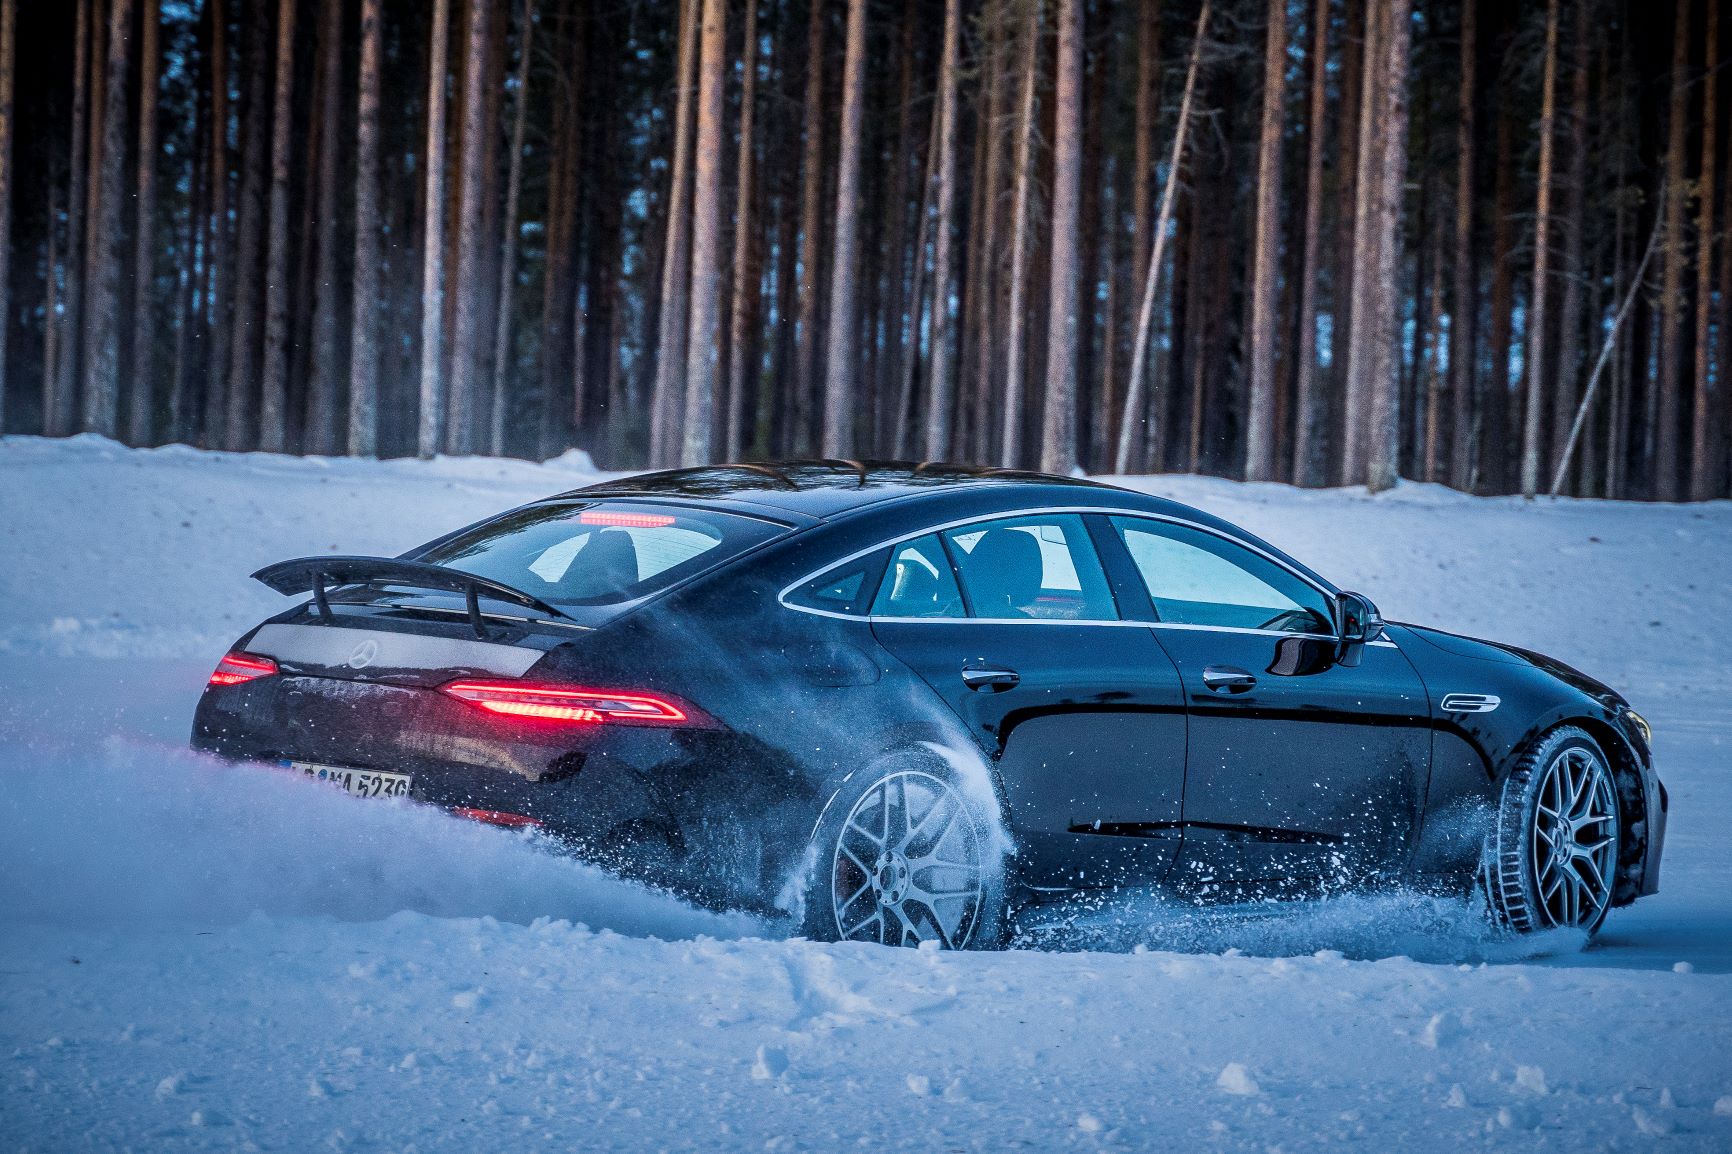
x=1551, y=860
x=905, y=856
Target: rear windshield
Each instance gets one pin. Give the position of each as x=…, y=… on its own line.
x=598, y=554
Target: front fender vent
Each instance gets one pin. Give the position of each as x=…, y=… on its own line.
x=1470, y=702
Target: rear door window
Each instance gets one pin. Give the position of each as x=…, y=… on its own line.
x=1039, y=568
x=598, y=554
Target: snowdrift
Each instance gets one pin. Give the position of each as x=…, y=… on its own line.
x=136, y=836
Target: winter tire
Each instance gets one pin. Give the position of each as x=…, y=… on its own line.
x=1551, y=859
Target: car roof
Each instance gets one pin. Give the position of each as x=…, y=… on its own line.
x=829, y=491
x=820, y=489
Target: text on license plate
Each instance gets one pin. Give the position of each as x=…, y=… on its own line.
x=360, y=782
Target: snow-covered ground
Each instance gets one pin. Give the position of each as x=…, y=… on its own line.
x=199, y=956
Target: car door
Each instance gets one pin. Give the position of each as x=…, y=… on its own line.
x=1299, y=765
x=1013, y=623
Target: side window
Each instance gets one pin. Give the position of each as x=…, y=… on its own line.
x=1197, y=578
x=918, y=583
x=844, y=589
x=1041, y=567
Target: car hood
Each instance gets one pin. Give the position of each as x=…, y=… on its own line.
x=1473, y=647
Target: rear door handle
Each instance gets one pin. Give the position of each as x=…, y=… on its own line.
x=1227, y=679
x=978, y=677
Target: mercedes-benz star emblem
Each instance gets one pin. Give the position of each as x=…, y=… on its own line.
x=363, y=654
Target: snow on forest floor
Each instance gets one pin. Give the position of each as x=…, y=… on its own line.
x=196, y=956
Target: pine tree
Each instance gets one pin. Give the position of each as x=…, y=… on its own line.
x=1266, y=254
x=363, y=340
x=940, y=388
x=326, y=387
x=274, y=384
x=1058, y=434
x=1309, y=401
x=841, y=377
x=702, y=354
x=141, y=415
x=462, y=408
x=1537, y=330
x=430, y=431
x=102, y=317
x=504, y=354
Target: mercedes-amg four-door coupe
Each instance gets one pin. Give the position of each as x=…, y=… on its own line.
x=902, y=703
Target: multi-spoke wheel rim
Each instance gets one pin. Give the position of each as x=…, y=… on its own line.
x=1575, y=842
x=908, y=865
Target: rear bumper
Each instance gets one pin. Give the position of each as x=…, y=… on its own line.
x=701, y=811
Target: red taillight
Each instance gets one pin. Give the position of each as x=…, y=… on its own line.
x=627, y=520
x=238, y=667
x=497, y=817
x=558, y=703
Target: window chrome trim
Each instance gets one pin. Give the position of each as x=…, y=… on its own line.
x=1013, y=514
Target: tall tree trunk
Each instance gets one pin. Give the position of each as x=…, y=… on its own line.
x=321, y=435
x=743, y=301
x=504, y=354
x=702, y=354
x=142, y=411
x=273, y=393
x=1570, y=315
x=1362, y=324
x=1058, y=432
x=1266, y=254
x=1532, y=426
x=1022, y=177
x=841, y=377
x=1464, y=303
x=8, y=32
x=1312, y=411
x=983, y=278
x=430, y=431
x=903, y=443
x=1147, y=112
x=461, y=433
x=102, y=317
x=940, y=388
x=51, y=306
x=60, y=390
x=240, y=426
x=1667, y=434
x=219, y=256
x=1493, y=470
x=896, y=234
x=1134, y=407
x=1704, y=444
x=363, y=340
x=811, y=217
x=1383, y=457
x=667, y=404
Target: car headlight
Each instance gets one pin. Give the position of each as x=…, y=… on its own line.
x=1641, y=723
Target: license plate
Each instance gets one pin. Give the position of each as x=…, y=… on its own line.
x=360, y=782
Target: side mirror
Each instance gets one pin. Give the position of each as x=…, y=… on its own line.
x=1359, y=624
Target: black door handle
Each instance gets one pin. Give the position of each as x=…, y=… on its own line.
x=980, y=677
x=1227, y=679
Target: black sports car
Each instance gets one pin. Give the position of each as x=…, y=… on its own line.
x=903, y=702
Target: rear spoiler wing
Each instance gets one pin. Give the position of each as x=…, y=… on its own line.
x=318, y=575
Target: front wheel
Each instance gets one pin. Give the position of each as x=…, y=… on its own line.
x=904, y=855
x=1551, y=860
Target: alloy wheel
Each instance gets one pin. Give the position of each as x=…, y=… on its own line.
x=1574, y=843
x=908, y=865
